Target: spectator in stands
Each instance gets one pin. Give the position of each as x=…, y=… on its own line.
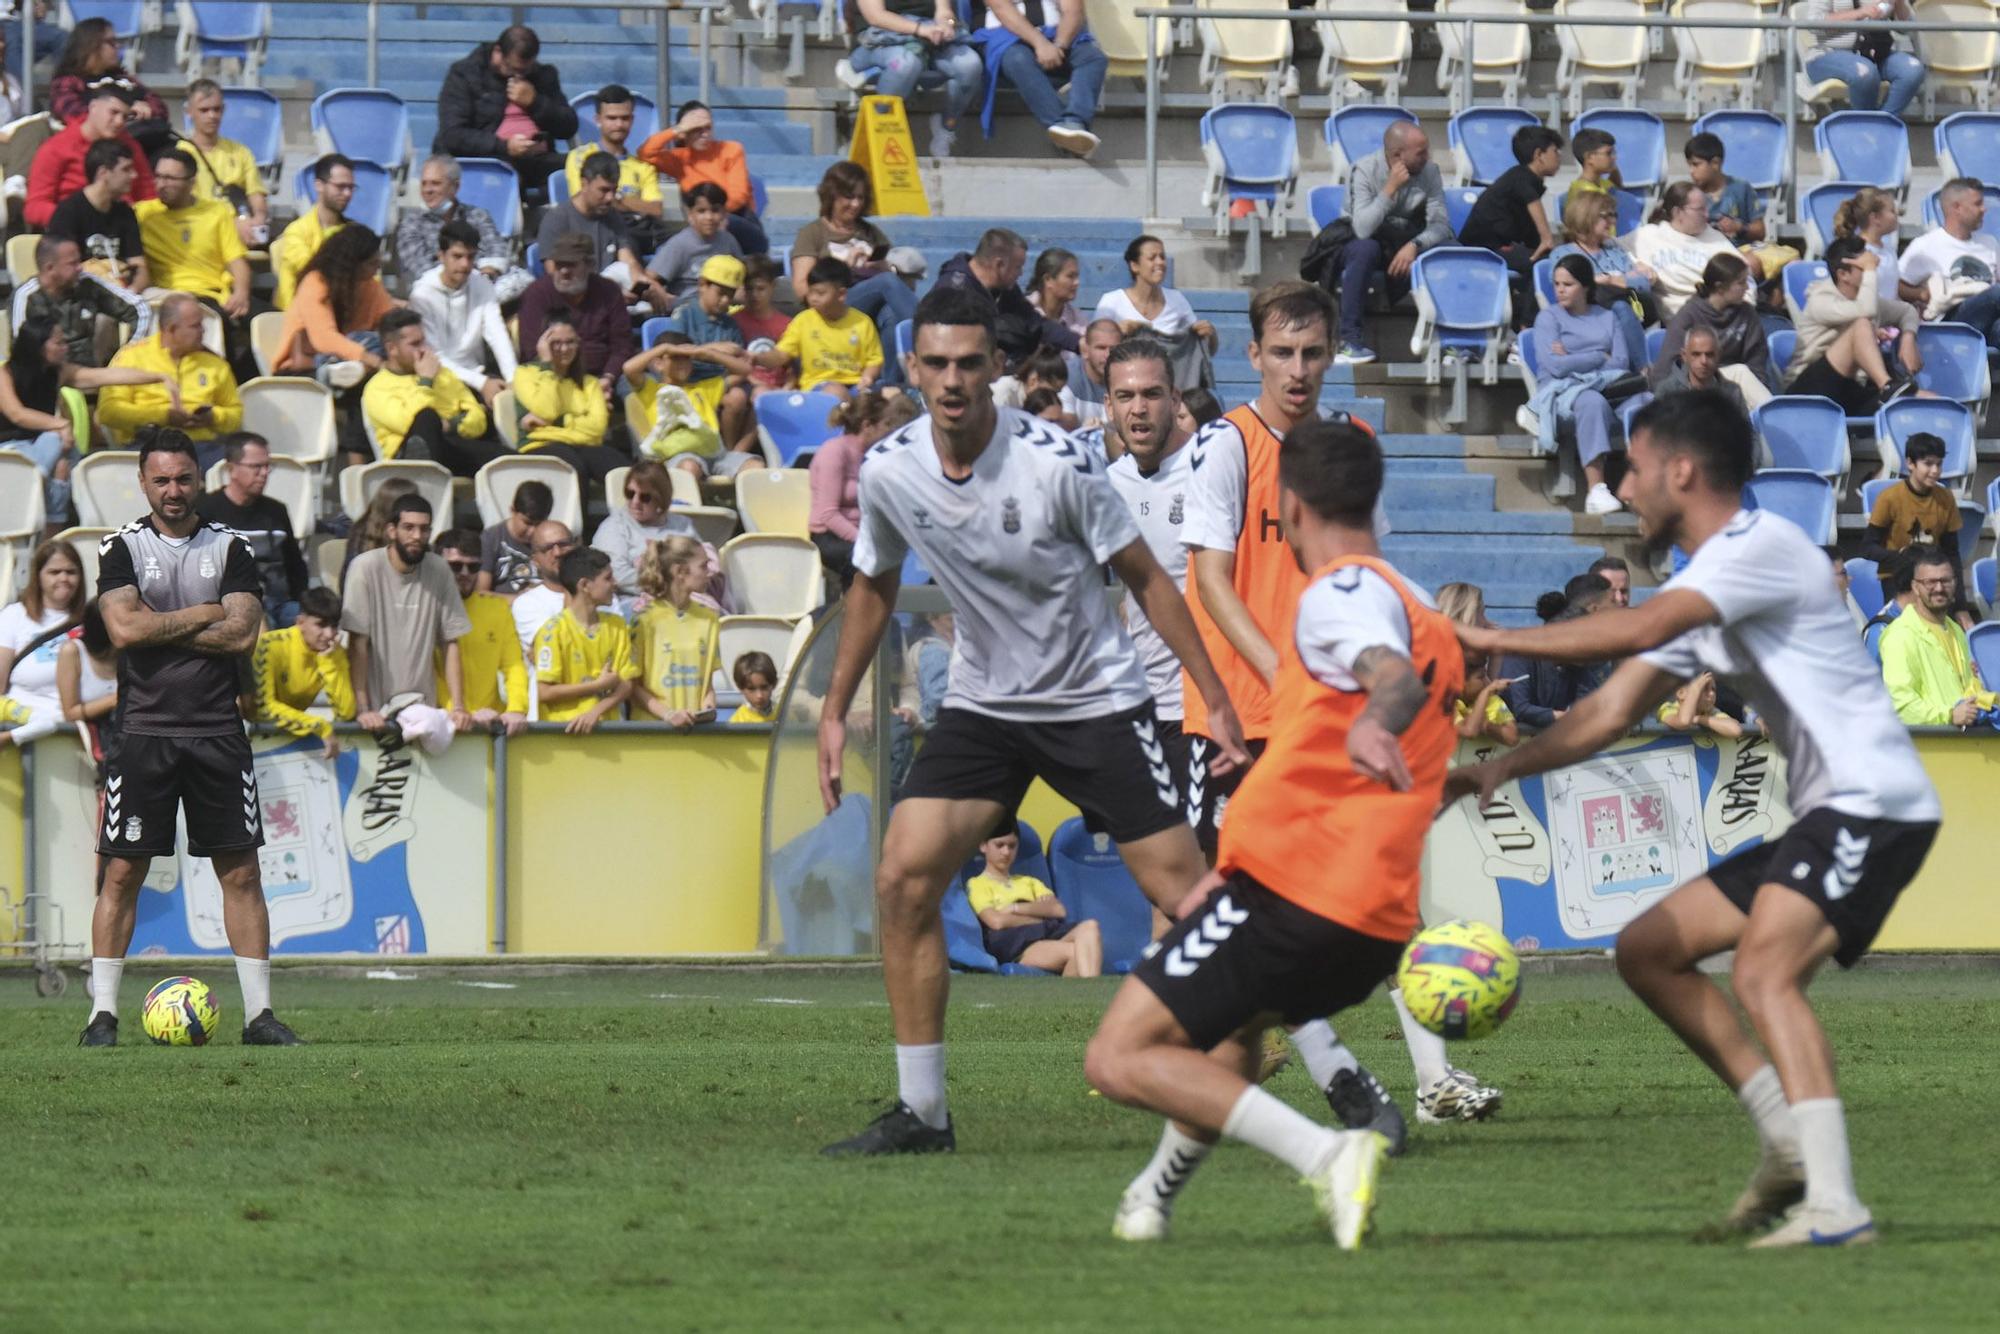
x=583, y=655
x=1508, y=217
x=461, y=314
x=678, y=638
x=1394, y=211
x=1733, y=206
x=226, y=172
x=506, y=562
x=1581, y=355
x=87, y=684
x=1596, y=153
x=264, y=522
x=417, y=409
x=1623, y=287
x=563, y=413
x=1045, y=372
x=1721, y=305
x=1052, y=289
x=300, y=243
x=1949, y=271
x=1198, y=408
x=761, y=321
x=1047, y=404
x=843, y=232
x=371, y=531
x=99, y=220
x=1873, y=215
x=1614, y=571
x=84, y=306
x=637, y=199
x=1149, y=306
x=500, y=101
x=1895, y=575
x=1022, y=921
x=418, y=231
x=1694, y=708
x=1539, y=691
x=331, y=327
x=496, y=676
x=1088, y=367
x=837, y=349
x=1041, y=46
x=679, y=263
x=49, y=37
x=835, y=471
x=905, y=39
x=1699, y=366
x=719, y=342
x=1916, y=512
x=756, y=678
x=994, y=268
x=550, y=542
x=31, y=635
x=689, y=152
x=402, y=607
x=15, y=101
x=1862, y=58
x=672, y=416
x=191, y=242
x=590, y=213
x=1480, y=712
x=1926, y=661
x=644, y=517
x=204, y=401
x=57, y=171
x=90, y=63
x=295, y=664
x=595, y=306
x=928, y=667
x=1677, y=243
x=37, y=421
x=1839, y=354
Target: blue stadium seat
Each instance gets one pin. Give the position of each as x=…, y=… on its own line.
x=760, y=198
x=1805, y=433
x=370, y=124
x=1754, y=146
x=1798, y=276
x=1984, y=575
x=228, y=30
x=1872, y=147
x=1871, y=639
x=374, y=199
x=905, y=331
x=1993, y=500
x=1968, y=144
x=1545, y=282
x=1933, y=212
x=255, y=119
x=653, y=327
x=1629, y=409
x=1531, y=359
x=1483, y=139
x=1463, y=303
x=558, y=188
x=795, y=423
x=127, y=17
x=532, y=260
x=1816, y=210
x=1805, y=498
x=1955, y=363
x=1783, y=343
x=1253, y=153
x=914, y=569
x=1092, y=882
x=1642, y=143
x=489, y=183
x=1458, y=202
x=1325, y=203
x=645, y=119
x=1355, y=130
x=1986, y=650
x=1971, y=523
x=1656, y=339
x=1872, y=489
x=1864, y=585
x=1949, y=420
x=1631, y=210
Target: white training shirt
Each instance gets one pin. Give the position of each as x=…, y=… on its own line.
x=1019, y=547
x=1787, y=646
x=1220, y=462
x=1346, y=613
x=1938, y=251
x=1158, y=502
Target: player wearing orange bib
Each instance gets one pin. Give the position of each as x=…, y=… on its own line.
x=1315, y=893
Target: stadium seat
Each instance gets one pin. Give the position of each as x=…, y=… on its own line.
x=775, y=500
x=653, y=327
x=1324, y=204
x=1984, y=576
x=823, y=884
x=494, y=485
x=905, y=333
x=794, y=15
x=1253, y=154
x=1235, y=51
x=506, y=414
x=557, y=188
x=1642, y=144
x=1631, y=210
x=914, y=570
x=1955, y=364
x=1816, y=209
x=1631, y=408
x=104, y=486
x=8, y=590
x=1370, y=52
x=359, y=485
x=1091, y=880
x=256, y=119
x=1864, y=585
x=1961, y=61
x=1463, y=307
x=1797, y=277
x=86, y=539
x=1805, y=433
x=793, y=425
x=1458, y=202
x=1993, y=510
x=1482, y=139
x=1949, y=420
x=1355, y=130
x=290, y=482
x=1531, y=362
x=293, y=413
x=713, y=524
x=1545, y=282
x=1985, y=640
x=1121, y=35
x=375, y=191
x=1871, y=491
x=1871, y=147
x=965, y=942
x=216, y=31
x=1971, y=522
x=371, y=124
x=21, y=256
x=772, y=575
x=128, y=21
x=1711, y=61
x=1817, y=95
x=1499, y=53
x=1803, y=497
x=1656, y=339
x=489, y=183
x=1968, y=144
x=1782, y=343
x=1871, y=639
x=645, y=119
x=1594, y=55
x=267, y=335
x=21, y=514
x=1755, y=146
x=738, y=635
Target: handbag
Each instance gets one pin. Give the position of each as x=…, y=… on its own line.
x=238, y=197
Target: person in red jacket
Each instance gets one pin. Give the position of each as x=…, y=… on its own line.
x=58, y=172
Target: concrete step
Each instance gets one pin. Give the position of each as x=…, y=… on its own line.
x=1467, y=495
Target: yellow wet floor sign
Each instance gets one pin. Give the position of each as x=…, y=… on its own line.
x=885, y=150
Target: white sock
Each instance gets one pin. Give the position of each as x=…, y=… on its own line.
x=1823, y=1143
x=1764, y=1098
x=1322, y=1050
x=1426, y=1047
x=105, y=974
x=1173, y=1163
x=254, y=976
x=1262, y=1122
x=920, y=1082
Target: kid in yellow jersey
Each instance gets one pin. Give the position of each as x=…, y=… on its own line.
x=757, y=677
x=583, y=657
x=679, y=638
x=294, y=665
x=496, y=676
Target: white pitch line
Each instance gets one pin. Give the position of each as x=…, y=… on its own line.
x=781, y=1000
x=493, y=986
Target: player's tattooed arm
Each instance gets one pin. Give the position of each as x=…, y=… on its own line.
x=236, y=632
x=1396, y=693
x=131, y=624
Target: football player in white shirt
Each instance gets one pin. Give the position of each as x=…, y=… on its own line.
x=1755, y=606
x=1016, y=523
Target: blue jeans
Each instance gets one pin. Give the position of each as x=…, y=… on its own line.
x=887, y=300
x=1359, y=263
x=904, y=59
x=1633, y=332
x=1084, y=71
x=1904, y=72
x=1982, y=312
x=45, y=451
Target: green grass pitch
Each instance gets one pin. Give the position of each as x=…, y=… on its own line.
x=621, y=1150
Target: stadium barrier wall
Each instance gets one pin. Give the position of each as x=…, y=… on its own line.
x=13, y=843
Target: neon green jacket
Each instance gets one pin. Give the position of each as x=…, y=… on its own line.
x=1924, y=683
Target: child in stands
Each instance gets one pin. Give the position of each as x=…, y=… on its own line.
x=1023, y=921
x=757, y=677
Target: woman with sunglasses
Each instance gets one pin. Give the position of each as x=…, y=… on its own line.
x=643, y=518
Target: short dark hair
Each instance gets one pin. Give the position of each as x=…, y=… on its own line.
x=1842, y=250
x=1202, y=405
x=951, y=305
x=323, y=169
x=397, y=320
x=692, y=104
x=1706, y=425
x=1040, y=400
x=1046, y=365
x=579, y=564
x=104, y=155
x=1579, y=595
x=1896, y=572
x=519, y=40
x=1139, y=243
x=1532, y=139
x=1703, y=147
x=1922, y=445
x=1588, y=141
x=1603, y=563
x=1288, y=304
x=761, y=268
x=831, y=271
x=458, y=232
x=599, y=167
x=153, y=439
x=1922, y=554
x=412, y=503
x=708, y=192
x=171, y=155
x=465, y=541
x=1335, y=467
x=236, y=442
x=754, y=663
x=533, y=501
x=616, y=95
x=322, y=604
x=1140, y=348
x=997, y=241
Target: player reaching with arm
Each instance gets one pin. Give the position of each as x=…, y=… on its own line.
x=1320, y=858
x=1755, y=607
x=181, y=600
x=1016, y=522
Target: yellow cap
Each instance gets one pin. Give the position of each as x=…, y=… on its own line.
x=723, y=271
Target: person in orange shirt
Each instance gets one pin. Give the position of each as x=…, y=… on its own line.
x=329, y=329
x=1315, y=888
x=689, y=152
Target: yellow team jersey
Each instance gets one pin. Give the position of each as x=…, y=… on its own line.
x=987, y=892
x=642, y=409
x=291, y=676
x=203, y=378
x=233, y=164
x=636, y=179
x=1497, y=711
x=745, y=714
x=190, y=248
x=293, y=250
x=566, y=654
x=679, y=650
x=489, y=658
x=838, y=352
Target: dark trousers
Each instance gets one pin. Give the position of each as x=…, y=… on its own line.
x=1521, y=281
x=429, y=438
x=836, y=561
x=591, y=463
x=1360, y=260
x=749, y=233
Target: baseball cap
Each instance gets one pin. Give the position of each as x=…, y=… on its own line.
x=572, y=248
x=723, y=271
x=908, y=261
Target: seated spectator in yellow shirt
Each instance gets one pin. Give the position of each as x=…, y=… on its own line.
x=333, y=191
x=296, y=664
x=1693, y=709
x=225, y=171
x=583, y=656
x=1022, y=919
x=562, y=410
x=417, y=409
x=1926, y=657
x=489, y=654
x=679, y=638
x=210, y=406
x=191, y=243
x=1479, y=711
x=638, y=199
x=837, y=349
x=757, y=677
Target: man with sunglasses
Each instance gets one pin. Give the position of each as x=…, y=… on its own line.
x=550, y=541
x=489, y=654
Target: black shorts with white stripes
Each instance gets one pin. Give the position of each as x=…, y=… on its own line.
x=1207, y=796
x=210, y=779
x=1115, y=768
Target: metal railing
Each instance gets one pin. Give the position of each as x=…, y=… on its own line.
x=1467, y=22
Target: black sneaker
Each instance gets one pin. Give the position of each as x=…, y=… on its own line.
x=1361, y=1103
x=1901, y=385
x=898, y=1130
x=267, y=1030
x=103, y=1031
